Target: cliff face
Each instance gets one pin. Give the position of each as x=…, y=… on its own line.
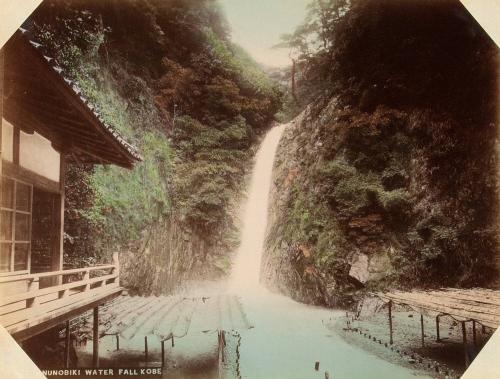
x=389, y=178
x=371, y=201
x=166, y=74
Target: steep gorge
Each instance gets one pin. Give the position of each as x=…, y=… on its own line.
x=166, y=74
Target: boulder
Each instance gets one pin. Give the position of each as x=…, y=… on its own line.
x=359, y=268
x=364, y=267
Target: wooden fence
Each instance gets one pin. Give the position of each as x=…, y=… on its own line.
x=23, y=304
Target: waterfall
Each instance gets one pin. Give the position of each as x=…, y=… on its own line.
x=246, y=267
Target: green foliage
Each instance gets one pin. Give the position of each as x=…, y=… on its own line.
x=126, y=201
x=208, y=175
x=395, y=162
x=167, y=76
x=120, y=202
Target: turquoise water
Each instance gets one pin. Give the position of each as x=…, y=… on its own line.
x=289, y=338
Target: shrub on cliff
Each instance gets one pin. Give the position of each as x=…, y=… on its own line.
x=167, y=75
x=395, y=157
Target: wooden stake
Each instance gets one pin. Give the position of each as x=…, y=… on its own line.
x=391, y=341
x=162, y=353
x=422, y=328
x=464, y=340
x=67, y=345
x=438, y=339
x=474, y=334
x=95, y=341
x=117, y=341
x=146, y=347
x=223, y=343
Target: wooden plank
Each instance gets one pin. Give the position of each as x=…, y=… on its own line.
x=459, y=312
x=444, y=310
x=457, y=303
x=23, y=333
x=486, y=302
x=30, y=317
x=472, y=298
x=474, y=295
x=478, y=309
x=491, y=309
x=35, y=312
x=53, y=273
x=54, y=289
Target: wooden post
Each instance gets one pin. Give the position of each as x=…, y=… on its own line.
x=223, y=343
x=219, y=360
x=173, y=344
x=116, y=270
x=95, y=341
x=17, y=145
x=464, y=341
x=146, y=347
x=422, y=327
x=438, y=339
x=117, y=341
x=33, y=285
x=474, y=340
x=58, y=224
x=162, y=353
x=391, y=341
x=67, y=345
x=86, y=276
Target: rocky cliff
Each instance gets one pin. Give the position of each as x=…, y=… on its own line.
x=389, y=177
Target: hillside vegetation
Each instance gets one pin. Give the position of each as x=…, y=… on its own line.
x=167, y=75
x=388, y=177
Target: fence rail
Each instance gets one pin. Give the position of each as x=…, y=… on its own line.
x=24, y=304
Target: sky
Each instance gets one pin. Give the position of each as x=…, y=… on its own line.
x=258, y=24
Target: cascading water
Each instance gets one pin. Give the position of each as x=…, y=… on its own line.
x=246, y=268
x=287, y=337
x=280, y=338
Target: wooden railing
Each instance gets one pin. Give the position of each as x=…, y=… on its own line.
x=23, y=302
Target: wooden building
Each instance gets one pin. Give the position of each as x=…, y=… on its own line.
x=46, y=124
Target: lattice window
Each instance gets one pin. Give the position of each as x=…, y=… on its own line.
x=15, y=231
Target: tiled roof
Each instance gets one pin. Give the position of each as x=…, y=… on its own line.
x=110, y=130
